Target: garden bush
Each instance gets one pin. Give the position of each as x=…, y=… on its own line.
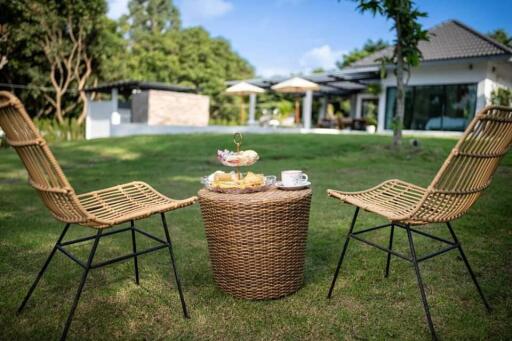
x=52, y=131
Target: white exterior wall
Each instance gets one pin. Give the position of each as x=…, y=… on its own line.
x=97, y=122
x=499, y=75
x=487, y=74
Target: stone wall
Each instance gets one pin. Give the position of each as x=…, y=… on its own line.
x=177, y=109
x=140, y=107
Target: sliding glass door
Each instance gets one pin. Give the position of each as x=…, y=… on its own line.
x=434, y=107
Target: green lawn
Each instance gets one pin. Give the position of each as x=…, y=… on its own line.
x=365, y=304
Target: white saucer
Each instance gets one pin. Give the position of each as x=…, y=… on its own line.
x=280, y=185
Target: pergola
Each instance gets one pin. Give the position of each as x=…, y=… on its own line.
x=335, y=83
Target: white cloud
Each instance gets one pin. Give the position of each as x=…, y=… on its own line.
x=116, y=8
x=204, y=9
x=323, y=56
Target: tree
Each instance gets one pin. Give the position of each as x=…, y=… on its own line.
x=406, y=54
x=5, y=46
x=55, y=52
x=151, y=17
x=501, y=36
x=160, y=50
x=357, y=54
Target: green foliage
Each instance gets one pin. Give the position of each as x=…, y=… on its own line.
x=52, y=131
x=45, y=56
x=409, y=32
x=224, y=122
x=151, y=17
x=368, y=48
x=146, y=44
x=501, y=96
x=374, y=89
x=501, y=36
x=371, y=119
x=345, y=107
x=161, y=51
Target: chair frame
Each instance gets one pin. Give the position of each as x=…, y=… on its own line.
x=413, y=259
x=99, y=210
x=90, y=265
x=465, y=174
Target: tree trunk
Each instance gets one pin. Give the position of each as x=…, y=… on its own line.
x=58, y=108
x=400, y=91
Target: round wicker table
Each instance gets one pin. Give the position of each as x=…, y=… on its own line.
x=257, y=241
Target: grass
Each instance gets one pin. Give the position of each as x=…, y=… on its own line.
x=365, y=304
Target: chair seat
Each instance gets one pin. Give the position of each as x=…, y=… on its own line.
x=131, y=201
x=394, y=199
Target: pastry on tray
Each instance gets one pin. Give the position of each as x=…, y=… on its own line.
x=235, y=159
x=229, y=181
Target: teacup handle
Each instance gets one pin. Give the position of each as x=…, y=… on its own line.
x=304, y=177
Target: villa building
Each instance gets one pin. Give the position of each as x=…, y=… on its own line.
x=459, y=70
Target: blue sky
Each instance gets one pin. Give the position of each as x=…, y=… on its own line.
x=284, y=36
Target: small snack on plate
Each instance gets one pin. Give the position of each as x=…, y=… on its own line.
x=253, y=180
x=233, y=159
x=222, y=180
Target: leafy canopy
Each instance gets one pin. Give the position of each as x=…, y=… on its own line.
x=501, y=36
x=158, y=49
x=357, y=54
x=146, y=44
x=404, y=16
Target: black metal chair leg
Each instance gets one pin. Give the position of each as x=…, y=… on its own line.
x=43, y=269
x=81, y=286
x=178, y=283
x=342, y=255
x=420, y=284
x=391, y=248
x=473, y=277
x=134, y=249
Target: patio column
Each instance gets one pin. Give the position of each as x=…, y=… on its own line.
x=252, y=109
x=323, y=108
x=306, y=109
x=115, y=117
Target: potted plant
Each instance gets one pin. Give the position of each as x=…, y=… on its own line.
x=371, y=123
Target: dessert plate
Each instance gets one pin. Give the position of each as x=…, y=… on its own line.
x=303, y=185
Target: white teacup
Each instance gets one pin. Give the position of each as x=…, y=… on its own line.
x=292, y=178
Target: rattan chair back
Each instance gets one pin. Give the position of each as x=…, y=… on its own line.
x=470, y=166
x=45, y=174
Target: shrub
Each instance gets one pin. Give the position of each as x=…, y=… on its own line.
x=501, y=96
x=52, y=131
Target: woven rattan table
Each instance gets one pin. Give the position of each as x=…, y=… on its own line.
x=257, y=241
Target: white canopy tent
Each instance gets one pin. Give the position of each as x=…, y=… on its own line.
x=297, y=85
x=244, y=89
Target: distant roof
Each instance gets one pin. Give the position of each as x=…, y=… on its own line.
x=335, y=83
x=448, y=40
x=126, y=86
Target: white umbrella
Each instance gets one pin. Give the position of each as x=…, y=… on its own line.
x=244, y=89
x=296, y=85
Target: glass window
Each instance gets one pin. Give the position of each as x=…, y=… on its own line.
x=434, y=107
x=460, y=108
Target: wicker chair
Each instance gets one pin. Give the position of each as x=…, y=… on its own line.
x=456, y=187
x=98, y=210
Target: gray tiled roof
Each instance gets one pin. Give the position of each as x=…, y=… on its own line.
x=449, y=40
